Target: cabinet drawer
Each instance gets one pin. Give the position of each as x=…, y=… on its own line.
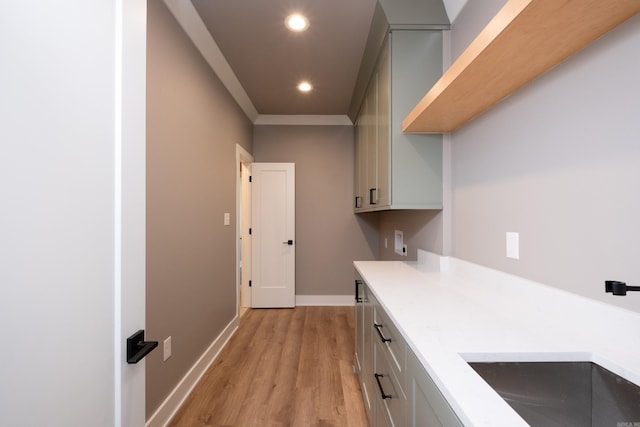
x=394, y=346
x=390, y=396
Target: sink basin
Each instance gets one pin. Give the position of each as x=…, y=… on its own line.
x=552, y=394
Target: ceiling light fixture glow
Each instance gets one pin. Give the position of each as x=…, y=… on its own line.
x=304, y=86
x=296, y=22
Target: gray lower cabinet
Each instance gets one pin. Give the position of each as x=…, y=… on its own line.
x=363, y=345
x=396, y=389
x=427, y=406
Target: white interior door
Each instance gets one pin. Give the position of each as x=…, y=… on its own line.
x=72, y=223
x=273, y=235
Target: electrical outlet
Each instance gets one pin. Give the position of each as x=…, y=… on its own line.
x=386, y=244
x=167, y=349
x=227, y=218
x=405, y=250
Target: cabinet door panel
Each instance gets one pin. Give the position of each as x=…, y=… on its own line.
x=363, y=349
x=383, y=135
x=371, y=143
x=359, y=325
x=358, y=176
x=381, y=418
x=427, y=406
x=389, y=383
x=367, y=378
x=416, y=160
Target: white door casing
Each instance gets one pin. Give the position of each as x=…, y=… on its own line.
x=273, y=235
x=243, y=214
x=245, y=291
x=130, y=206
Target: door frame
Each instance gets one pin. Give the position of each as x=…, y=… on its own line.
x=244, y=157
x=129, y=205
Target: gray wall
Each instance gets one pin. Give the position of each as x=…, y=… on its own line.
x=193, y=125
x=558, y=162
x=329, y=236
x=420, y=230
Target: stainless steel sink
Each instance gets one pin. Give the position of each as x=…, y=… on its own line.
x=552, y=394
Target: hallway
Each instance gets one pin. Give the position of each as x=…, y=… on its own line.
x=283, y=367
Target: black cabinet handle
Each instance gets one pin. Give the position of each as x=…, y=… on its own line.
x=382, y=337
x=138, y=348
x=358, y=202
x=358, y=283
x=288, y=242
x=371, y=190
x=382, y=393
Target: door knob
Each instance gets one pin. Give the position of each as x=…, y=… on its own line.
x=288, y=242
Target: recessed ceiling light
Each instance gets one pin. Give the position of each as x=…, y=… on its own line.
x=296, y=22
x=304, y=86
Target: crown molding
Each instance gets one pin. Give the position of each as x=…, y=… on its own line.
x=303, y=120
x=189, y=19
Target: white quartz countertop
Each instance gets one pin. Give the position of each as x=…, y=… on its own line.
x=462, y=312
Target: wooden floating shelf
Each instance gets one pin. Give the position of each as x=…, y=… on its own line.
x=525, y=39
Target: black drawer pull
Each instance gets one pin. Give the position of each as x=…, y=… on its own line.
x=382, y=337
x=382, y=393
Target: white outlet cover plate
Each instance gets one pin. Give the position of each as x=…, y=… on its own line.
x=513, y=245
x=398, y=242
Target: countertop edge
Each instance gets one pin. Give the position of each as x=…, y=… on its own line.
x=448, y=278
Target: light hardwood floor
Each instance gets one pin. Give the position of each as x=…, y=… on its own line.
x=283, y=367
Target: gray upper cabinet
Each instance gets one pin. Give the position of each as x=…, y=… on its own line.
x=394, y=170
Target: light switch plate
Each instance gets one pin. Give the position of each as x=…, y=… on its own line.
x=227, y=218
x=166, y=349
x=513, y=245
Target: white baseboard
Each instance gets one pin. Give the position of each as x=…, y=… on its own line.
x=325, y=300
x=176, y=398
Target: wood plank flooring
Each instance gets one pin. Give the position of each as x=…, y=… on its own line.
x=283, y=367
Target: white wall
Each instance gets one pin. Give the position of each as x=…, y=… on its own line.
x=557, y=162
x=57, y=222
